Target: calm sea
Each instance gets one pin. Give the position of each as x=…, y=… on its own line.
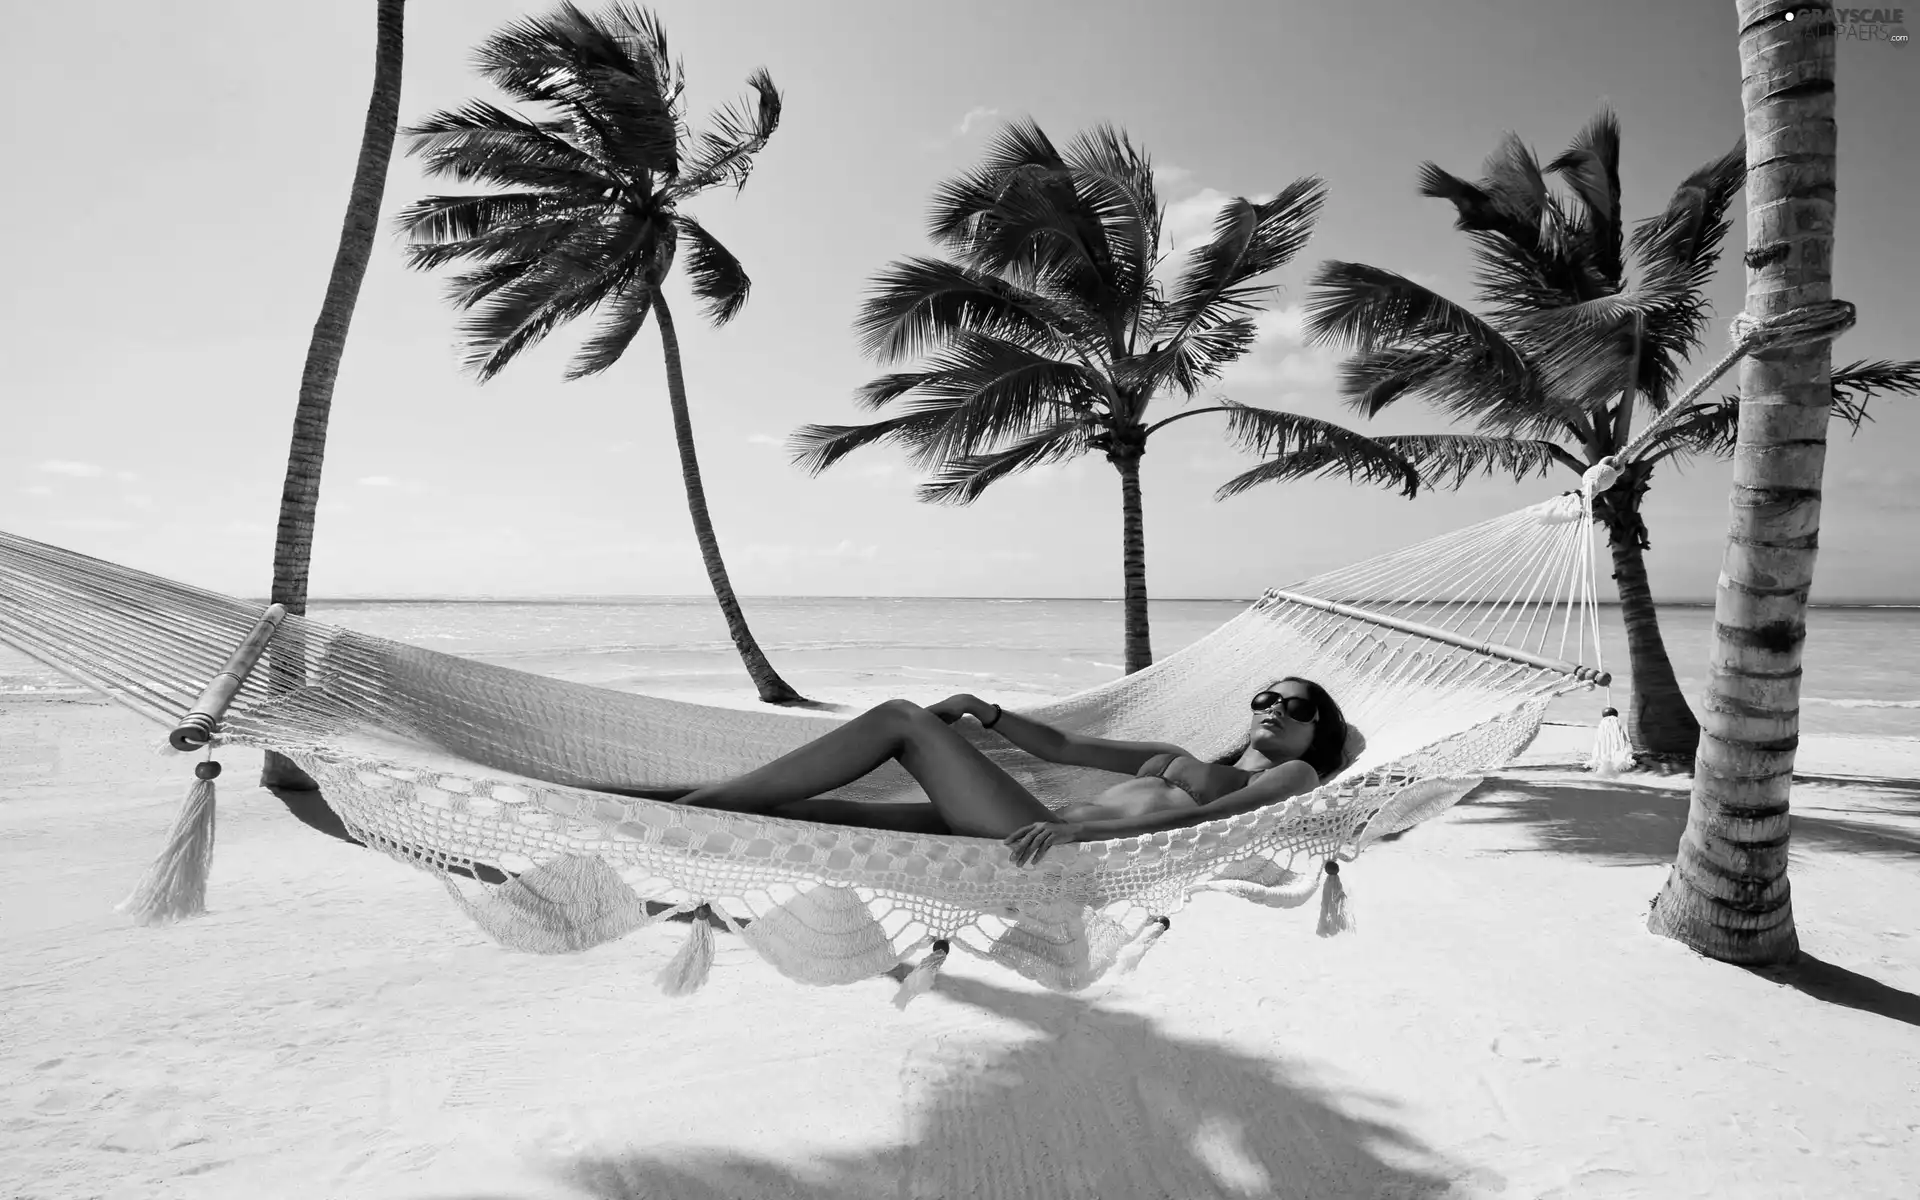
x=1862, y=664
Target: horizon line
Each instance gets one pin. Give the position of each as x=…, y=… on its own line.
x=603, y=597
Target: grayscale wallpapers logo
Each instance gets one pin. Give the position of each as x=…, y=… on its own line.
x=1855, y=24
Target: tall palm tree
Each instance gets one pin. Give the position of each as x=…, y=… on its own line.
x=588, y=216
x=300, y=493
x=1048, y=333
x=1571, y=349
x=1727, y=895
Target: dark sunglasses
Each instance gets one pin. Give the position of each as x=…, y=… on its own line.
x=1299, y=708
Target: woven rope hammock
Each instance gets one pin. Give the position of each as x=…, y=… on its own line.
x=1445, y=655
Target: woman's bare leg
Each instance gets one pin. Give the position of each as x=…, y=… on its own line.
x=914, y=817
x=974, y=797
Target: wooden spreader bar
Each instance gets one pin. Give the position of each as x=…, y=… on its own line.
x=196, y=728
x=1589, y=674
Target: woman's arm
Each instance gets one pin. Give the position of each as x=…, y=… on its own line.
x=1046, y=742
x=1281, y=783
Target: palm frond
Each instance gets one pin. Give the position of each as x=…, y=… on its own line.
x=962, y=480
x=1859, y=381
x=482, y=142
x=600, y=72
x=1710, y=427
x=1024, y=215
x=566, y=282
x=625, y=315
x=1447, y=460
x=1590, y=165
x=1370, y=309
x=818, y=447
x=917, y=304
x=1219, y=285
x=443, y=229
x=717, y=277
x=997, y=390
x=1331, y=448
x=1117, y=179
x=723, y=154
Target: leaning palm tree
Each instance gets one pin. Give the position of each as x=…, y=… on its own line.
x=1727, y=895
x=1048, y=333
x=1586, y=326
x=588, y=216
x=300, y=493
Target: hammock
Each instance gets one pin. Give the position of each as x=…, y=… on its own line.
x=1445, y=655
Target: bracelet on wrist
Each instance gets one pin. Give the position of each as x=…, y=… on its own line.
x=996, y=717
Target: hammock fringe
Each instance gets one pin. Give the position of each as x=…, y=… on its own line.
x=175, y=885
x=688, y=971
x=1336, y=916
x=919, y=981
x=1612, y=752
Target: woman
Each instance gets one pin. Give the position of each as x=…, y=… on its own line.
x=1296, y=739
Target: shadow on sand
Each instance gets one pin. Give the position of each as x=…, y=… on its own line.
x=1634, y=824
x=1094, y=1103
x=1638, y=824
x=1836, y=985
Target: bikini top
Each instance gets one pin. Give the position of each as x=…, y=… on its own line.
x=1195, y=788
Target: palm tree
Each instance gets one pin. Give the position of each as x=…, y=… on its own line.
x=589, y=218
x=300, y=493
x=1048, y=333
x=1568, y=353
x=1727, y=895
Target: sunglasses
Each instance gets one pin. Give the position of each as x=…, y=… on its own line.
x=1299, y=708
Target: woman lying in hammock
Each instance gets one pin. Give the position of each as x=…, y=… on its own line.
x=1296, y=740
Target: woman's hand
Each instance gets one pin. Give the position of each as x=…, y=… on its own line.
x=960, y=705
x=1029, y=843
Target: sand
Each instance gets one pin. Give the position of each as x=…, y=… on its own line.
x=1500, y=1025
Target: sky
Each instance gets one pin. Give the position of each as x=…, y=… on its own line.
x=183, y=171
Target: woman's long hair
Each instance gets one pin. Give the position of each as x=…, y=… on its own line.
x=1327, y=752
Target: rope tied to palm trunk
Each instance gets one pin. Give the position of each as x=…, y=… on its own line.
x=1802, y=326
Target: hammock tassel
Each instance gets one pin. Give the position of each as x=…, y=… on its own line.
x=1137, y=949
x=688, y=971
x=1335, y=916
x=920, y=979
x=1612, y=753
x=175, y=886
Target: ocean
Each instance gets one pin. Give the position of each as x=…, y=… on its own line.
x=1862, y=663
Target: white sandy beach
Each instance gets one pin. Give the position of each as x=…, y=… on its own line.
x=1500, y=1025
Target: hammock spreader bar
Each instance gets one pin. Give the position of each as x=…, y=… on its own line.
x=196, y=728
x=1575, y=670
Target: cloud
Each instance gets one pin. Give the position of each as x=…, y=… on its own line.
x=763, y=439
x=785, y=554
x=125, y=476
x=1166, y=176
x=96, y=524
x=1281, y=356
x=387, y=481
x=975, y=116
x=77, y=470
x=1188, y=223
x=38, y=489
x=140, y=502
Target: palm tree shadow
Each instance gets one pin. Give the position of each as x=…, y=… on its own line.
x=1633, y=824
x=1836, y=985
x=1091, y=1103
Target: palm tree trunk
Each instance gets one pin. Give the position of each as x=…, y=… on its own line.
x=767, y=681
x=1727, y=895
x=1133, y=562
x=1659, y=724
x=300, y=493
